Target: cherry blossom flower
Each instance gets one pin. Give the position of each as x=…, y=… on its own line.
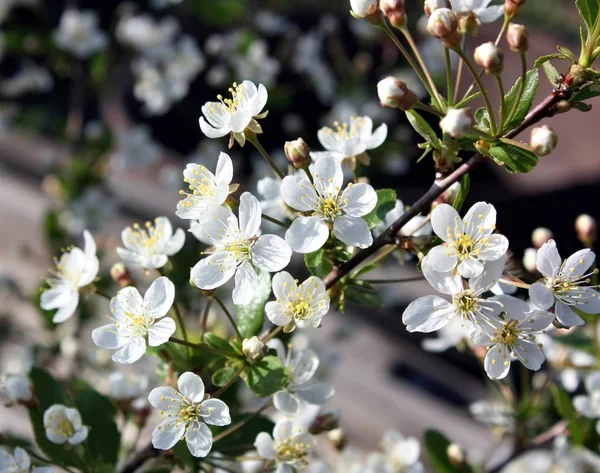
x=78, y=33
x=513, y=335
x=237, y=249
x=138, y=321
x=288, y=448
x=187, y=415
x=348, y=461
x=122, y=386
x=302, y=367
x=206, y=189
x=589, y=405
x=327, y=208
x=151, y=246
x=400, y=455
x=75, y=269
x=565, y=284
x=480, y=8
x=19, y=462
x=236, y=114
x=449, y=336
x=469, y=242
x=63, y=425
x=17, y=387
x=302, y=305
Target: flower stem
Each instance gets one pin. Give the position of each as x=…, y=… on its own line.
x=502, y=103
x=275, y=221
x=427, y=108
x=180, y=321
x=199, y=346
x=271, y=334
x=101, y=293
x=393, y=281
x=204, y=318
x=254, y=140
x=230, y=317
x=449, y=84
x=233, y=379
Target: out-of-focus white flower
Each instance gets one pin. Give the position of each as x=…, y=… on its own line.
x=256, y=65
x=325, y=205
x=17, y=387
x=63, y=425
x=457, y=122
x=540, y=236
x=146, y=35
x=75, y=269
x=493, y=413
x=480, y=8
x=589, y=405
x=307, y=59
x=30, y=78
x=78, y=33
x=363, y=8
x=136, y=321
x=302, y=305
x=187, y=415
x=449, y=336
x=237, y=249
x=530, y=259
x=348, y=461
x=573, y=458
x=289, y=448
x=126, y=386
x=155, y=89
x=565, y=284
x=207, y=189
x=543, y=140
x=400, y=455
x=301, y=386
x=271, y=202
x=90, y=210
x=185, y=60
x=19, y=462
x=136, y=148
x=586, y=227
x=416, y=226
x=150, y=247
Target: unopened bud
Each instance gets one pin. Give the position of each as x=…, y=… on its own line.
x=448, y=195
x=517, y=38
x=512, y=7
x=530, y=260
x=394, y=11
x=363, y=8
x=120, y=274
x=325, y=422
x=254, y=349
x=17, y=387
x=432, y=5
x=298, y=153
x=540, y=236
x=442, y=23
x=457, y=122
x=456, y=455
x=543, y=140
x=337, y=438
x=586, y=228
x=490, y=57
x=393, y=93
x=467, y=24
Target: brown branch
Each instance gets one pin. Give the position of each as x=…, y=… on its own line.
x=140, y=458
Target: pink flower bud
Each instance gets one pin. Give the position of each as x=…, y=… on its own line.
x=442, y=23
x=363, y=8
x=298, y=153
x=394, y=11
x=490, y=57
x=432, y=5
x=530, y=260
x=512, y=7
x=543, y=140
x=394, y=93
x=457, y=122
x=517, y=38
x=586, y=228
x=540, y=236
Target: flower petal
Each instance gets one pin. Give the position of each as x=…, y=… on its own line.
x=275, y=313
x=318, y=393
x=107, y=337
x=359, y=199
x=541, y=295
x=378, y=137
x=161, y=331
x=307, y=234
x=328, y=176
x=566, y=316
x=480, y=220
x=530, y=355
x=299, y=193
x=159, y=297
x=286, y=402
x=131, y=351
x=441, y=258
x=212, y=271
x=211, y=132
x=246, y=281
x=548, y=259
x=167, y=434
x=497, y=362
x=163, y=397
x=470, y=268
x=191, y=386
x=494, y=248
x=199, y=439
x=250, y=215
x=224, y=171
x=264, y=446
x=271, y=253
x=427, y=314
x=445, y=282
x=175, y=243
x=446, y=222
x=352, y=231
x=215, y=412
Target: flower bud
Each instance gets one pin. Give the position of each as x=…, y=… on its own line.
x=325, y=422
x=512, y=7
x=120, y=274
x=456, y=455
x=467, y=24
x=363, y=8
x=432, y=5
x=17, y=388
x=530, y=260
x=394, y=11
x=254, y=349
x=543, y=140
x=442, y=23
x=490, y=57
x=457, y=122
x=393, y=93
x=298, y=153
x=540, y=236
x=586, y=228
x=337, y=437
x=517, y=38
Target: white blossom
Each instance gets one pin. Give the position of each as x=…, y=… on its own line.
x=348, y=461
x=206, y=189
x=271, y=202
x=19, y=462
x=302, y=305
x=17, y=387
x=78, y=33
x=589, y=405
x=256, y=64
x=565, y=284
x=136, y=321
x=288, y=448
x=326, y=207
x=449, y=336
x=237, y=248
x=75, y=269
x=63, y=425
x=29, y=78
x=400, y=455
x=493, y=413
x=363, y=8
x=457, y=122
x=302, y=366
x=187, y=415
x=469, y=242
x=136, y=148
x=126, y=386
x=480, y=8
x=144, y=34
x=235, y=114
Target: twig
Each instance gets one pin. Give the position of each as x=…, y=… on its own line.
x=140, y=458
x=230, y=317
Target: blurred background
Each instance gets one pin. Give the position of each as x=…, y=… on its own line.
x=100, y=142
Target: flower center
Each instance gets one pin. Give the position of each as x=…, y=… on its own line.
x=66, y=428
x=508, y=334
x=347, y=130
x=464, y=244
x=300, y=309
x=329, y=208
x=466, y=303
x=136, y=324
x=241, y=250
x=189, y=412
x=232, y=105
x=288, y=451
x=147, y=238
x=203, y=186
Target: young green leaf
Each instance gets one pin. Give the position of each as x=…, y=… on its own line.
x=564, y=406
x=463, y=191
x=318, y=263
x=530, y=89
x=423, y=128
x=551, y=73
x=482, y=119
x=515, y=159
x=589, y=10
x=266, y=377
x=251, y=317
x=386, y=200
x=224, y=375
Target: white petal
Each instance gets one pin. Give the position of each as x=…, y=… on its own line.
x=353, y=231
x=548, y=259
x=304, y=366
x=494, y=249
x=260, y=101
x=250, y=215
x=480, y=220
x=169, y=395
x=470, y=268
x=191, y=386
x=444, y=282
x=592, y=382
x=530, y=355
x=318, y=393
x=240, y=120
x=167, y=434
x=22, y=459
x=378, y=137
x=161, y=331
x=566, y=316
x=211, y=132
x=199, y=439
x=107, y=337
x=584, y=406
x=212, y=271
x=285, y=402
x=175, y=243
x=283, y=283
x=359, y=199
x=427, y=314
x=328, y=176
x=276, y=315
x=441, y=259
x=131, y=351
x=497, y=362
x=79, y=436
x=215, y=412
x=307, y=234
x=299, y=193
x=492, y=272
x=541, y=295
x=56, y=296
x=224, y=171
x=264, y=446
x=271, y=253
x=159, y=297
x=578, y=263
x=283, y=429
x=126, y=301
x=445, y=220
x=246, y=281
x=491, y=14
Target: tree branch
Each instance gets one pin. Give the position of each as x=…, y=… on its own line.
x=140, y=458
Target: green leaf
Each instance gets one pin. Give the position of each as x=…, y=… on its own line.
x=245, y=435
x=423, y=128
x=251, y=317
x=582, y=107
x=214, y=341
x=564, y=406
x=541, y=60
x=532, y=81
x=551, y=73
x=482, y=120
x=515, y=159
x=386, y=200
x=363, y=295
x=577, y=340
x=588, y=9
x=318, y=263
x=463, y=191
x=224, y=375
x=182, y=452
x=267, y=377
x=586, y=93
x=567, y=53
x=436, y=448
